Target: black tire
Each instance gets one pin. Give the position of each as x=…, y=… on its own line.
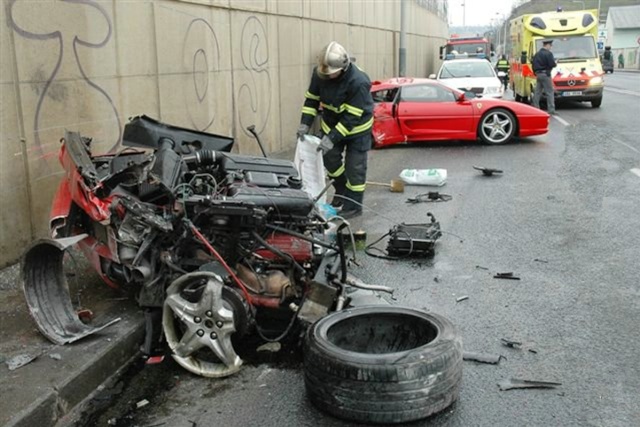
x=497, y=126
x=596, y=103
x=382, y=364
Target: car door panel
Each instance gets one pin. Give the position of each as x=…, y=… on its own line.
x=436, y=121
x=386, y=129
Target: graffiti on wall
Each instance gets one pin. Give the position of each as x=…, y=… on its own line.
x=201, y=58
x=53, y=90
x=255, y=92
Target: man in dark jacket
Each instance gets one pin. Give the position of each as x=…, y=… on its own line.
x=344, y=93
x=543, y=63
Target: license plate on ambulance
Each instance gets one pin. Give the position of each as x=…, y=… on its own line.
x=572, y=93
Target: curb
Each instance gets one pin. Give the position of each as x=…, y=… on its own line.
x=104, y=356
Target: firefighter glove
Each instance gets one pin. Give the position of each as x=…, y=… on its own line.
x=302, y=131
x=325, y=145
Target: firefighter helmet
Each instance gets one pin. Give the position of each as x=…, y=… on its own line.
x=332, y=58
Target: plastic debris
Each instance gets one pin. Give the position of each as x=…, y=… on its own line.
x=541, y=260
x=433, y=177
x=479, y=267
x=509, y=343
x=431, y=196
x=462, y=298
x=533, y=351
x=514, y=383
x=492, y=359
x=142, y=403
x=20, y=360
x=55, y=356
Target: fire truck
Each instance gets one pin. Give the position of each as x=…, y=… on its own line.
x=466, y=46
x=578, y=75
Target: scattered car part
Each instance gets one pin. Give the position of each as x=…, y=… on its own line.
x=514, y=383
x=414, y=239
x=508, y=275
x=462, y=298
x=487, y=171
x=47, y=292
x=431, y=196
x=382, y=364
x=510, y=343
x=492, y=359
x=532, y=351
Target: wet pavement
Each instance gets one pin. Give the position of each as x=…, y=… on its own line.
x=563, y=218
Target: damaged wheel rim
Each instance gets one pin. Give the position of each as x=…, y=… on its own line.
x=198, y=325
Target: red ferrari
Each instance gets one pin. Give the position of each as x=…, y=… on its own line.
x=410, y=110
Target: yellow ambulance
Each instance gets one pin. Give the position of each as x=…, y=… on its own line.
x=578, y=75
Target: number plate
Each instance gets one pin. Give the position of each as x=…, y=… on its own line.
x=572, y=93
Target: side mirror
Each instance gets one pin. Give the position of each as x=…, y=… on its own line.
x=432, y=76
x=523, y=57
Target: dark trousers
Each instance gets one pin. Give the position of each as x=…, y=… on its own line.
x=544, y=84
x=346, y=164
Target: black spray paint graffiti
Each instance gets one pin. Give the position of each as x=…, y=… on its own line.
x=203, y=60
x=255, y=59
x=58, y=34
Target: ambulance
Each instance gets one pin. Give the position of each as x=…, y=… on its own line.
x=578, y=75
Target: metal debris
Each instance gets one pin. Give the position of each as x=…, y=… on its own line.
x=509, y=343
x=541, y=260
x=20, y=360
x=508, y=275
x=492, y=359
x=55, y=356
x=462, y=298
x=142, y=403
x=514, y=383
x=533, y=351
x=487, y=171
x=479, y=267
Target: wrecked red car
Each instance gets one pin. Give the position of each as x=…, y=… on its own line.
x=216, y=244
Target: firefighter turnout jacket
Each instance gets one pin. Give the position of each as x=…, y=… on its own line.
x=346, y=101
x=502, y=65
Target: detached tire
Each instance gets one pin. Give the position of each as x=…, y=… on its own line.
x=382, y=365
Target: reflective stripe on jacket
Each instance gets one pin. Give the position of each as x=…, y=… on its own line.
x=346, y=102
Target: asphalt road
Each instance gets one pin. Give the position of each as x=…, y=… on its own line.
x=563, y=217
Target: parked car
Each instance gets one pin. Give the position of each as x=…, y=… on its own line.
x=473, y=74
x=410, y=110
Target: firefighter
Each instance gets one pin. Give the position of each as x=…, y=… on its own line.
x=343, y=92
x=503, y=65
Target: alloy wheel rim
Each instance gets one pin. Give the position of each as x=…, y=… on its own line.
x=497, y=127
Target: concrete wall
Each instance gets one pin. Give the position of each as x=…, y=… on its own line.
x=214, y=65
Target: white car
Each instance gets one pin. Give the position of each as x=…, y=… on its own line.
x=471, y=75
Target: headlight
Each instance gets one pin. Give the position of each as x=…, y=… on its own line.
x=493, y=89
x=595, y=81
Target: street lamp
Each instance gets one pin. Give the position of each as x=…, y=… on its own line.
x=464, y=9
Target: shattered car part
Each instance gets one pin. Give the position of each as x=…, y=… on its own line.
x=431, y=196
x=508, y=276
x=414, y=239
x=514, y=383
x=492, y=359
x=487, y=171
x=510, y=343
x=211, y=243
x=47, y=292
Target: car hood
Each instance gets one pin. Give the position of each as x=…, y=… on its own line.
x=469, y=82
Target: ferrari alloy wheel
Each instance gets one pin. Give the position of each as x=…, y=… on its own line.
x=497, y=127
x=198, y=321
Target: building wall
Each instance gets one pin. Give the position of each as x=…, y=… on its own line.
x=214, y=65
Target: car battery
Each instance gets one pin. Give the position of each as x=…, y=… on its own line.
x=413, y=240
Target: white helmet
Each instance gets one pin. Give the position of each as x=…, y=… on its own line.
x=332, y=58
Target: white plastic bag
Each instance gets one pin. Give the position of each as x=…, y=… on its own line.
x=310, y=165
x=434, y=177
